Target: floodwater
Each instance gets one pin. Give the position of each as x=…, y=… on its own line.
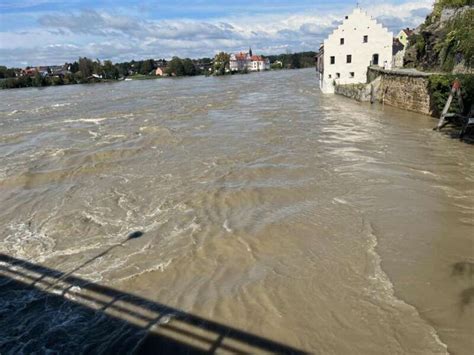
x=266, y=217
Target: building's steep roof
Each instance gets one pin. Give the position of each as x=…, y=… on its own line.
x=241, y=56
x=408, y=32
x=257, y=58
x=348, y=18
x=247, y=57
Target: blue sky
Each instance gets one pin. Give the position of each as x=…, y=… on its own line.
x=34, y=32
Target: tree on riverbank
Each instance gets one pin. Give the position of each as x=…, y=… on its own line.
x=6, y=72
x=221, y=63
x=294, y=60
x=181, y=67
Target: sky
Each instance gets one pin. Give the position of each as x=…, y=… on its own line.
x=49, y=32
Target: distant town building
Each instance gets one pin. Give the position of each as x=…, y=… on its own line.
x=29, y=72
x=398, y=53
x=351, y=48
x=160, y=71
x=239, y=61
x=247, y=61
x=399, y=46
x=44, y=71
x=403, y=36
x=258, y=63
x=204, y=65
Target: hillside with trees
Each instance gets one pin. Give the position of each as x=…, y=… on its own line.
x=445, y=41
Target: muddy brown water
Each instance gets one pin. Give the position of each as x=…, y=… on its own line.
x=311, y=221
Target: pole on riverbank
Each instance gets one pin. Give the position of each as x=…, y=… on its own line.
x=455, y=90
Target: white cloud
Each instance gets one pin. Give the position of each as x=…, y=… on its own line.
x=63, y=37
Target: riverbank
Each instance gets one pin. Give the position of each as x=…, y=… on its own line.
x=411, y=90
x=407, y=89
x=28, y=82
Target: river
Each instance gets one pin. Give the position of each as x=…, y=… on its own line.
x=257, y=203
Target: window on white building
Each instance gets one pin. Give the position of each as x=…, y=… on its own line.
x=338, y=75
x=349, y=58
x=351, y=74
x=366, y=39
x=333, y=60
x=329, y=76
x=342, y=41
x=375, y=59
x=347, y=17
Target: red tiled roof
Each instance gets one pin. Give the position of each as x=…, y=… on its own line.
x=241, y=56
x=408, y=31
x=257, y=58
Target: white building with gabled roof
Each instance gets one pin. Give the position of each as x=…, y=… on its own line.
x=360, y=41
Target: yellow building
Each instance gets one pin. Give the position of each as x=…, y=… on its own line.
x=403, y=36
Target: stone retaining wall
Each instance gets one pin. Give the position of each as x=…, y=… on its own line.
x=406, y=92
x=359, y=92
x=405, y=89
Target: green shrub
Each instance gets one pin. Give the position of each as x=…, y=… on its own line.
x=454, y=3
x=440, y=5
x=459, y=39
x=440, y=87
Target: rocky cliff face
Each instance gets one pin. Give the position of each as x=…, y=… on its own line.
x=445, y=42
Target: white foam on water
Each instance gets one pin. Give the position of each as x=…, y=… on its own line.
x=72, y=293
x=95, y=218
x=13, y=112
x=245, y=244
x=381, y=285
x=59, y=152
x=157, y=267
x=165, y=320
x=340, y=200
x=191, y=227
x=226, y=226
x=116, y=136
x=74, y=250
x=88, y=120
x=425, y=172
x=93, y=134
x=62, y=104
x=26, y=242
